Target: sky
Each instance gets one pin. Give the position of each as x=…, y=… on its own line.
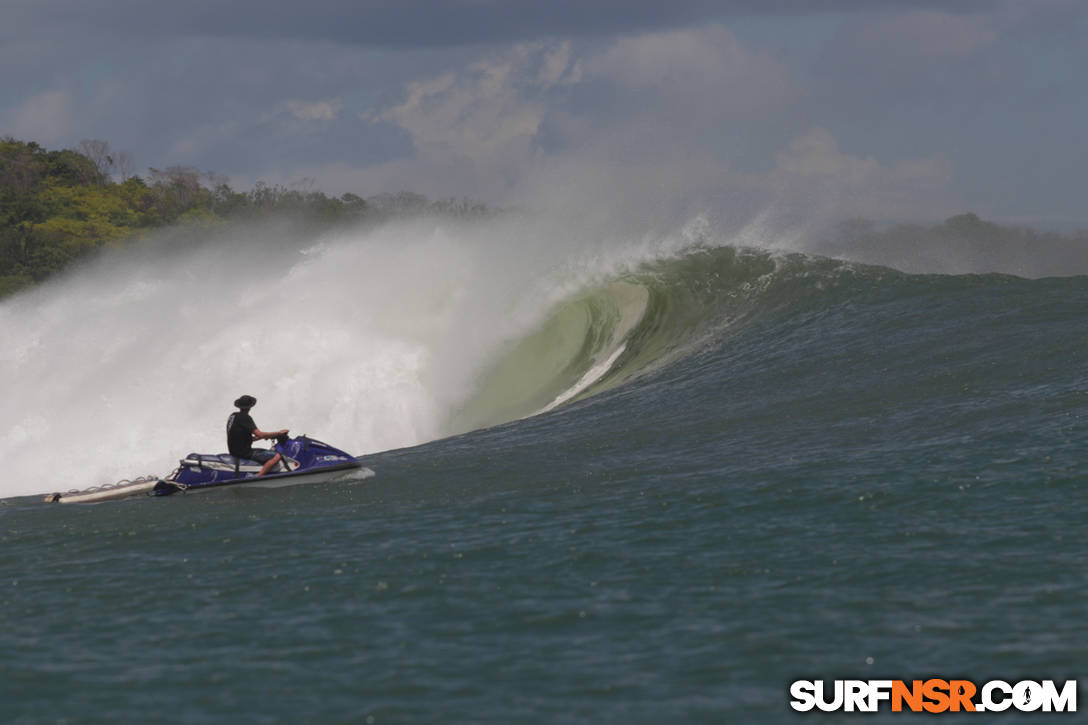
x=894, y=110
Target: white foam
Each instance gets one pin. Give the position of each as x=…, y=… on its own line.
x=364, y=339
x=368, y=339
x=592, y=375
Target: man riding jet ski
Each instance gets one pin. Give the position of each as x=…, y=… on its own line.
x=300, y=459
x=303, y=459
x=242, y=431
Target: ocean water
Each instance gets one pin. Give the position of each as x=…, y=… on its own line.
x=648, y=485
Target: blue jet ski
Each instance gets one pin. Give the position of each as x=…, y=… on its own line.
x=305, y=460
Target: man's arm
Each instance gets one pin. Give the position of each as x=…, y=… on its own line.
x=259, y=434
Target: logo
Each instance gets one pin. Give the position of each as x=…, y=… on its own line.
x=933, y=696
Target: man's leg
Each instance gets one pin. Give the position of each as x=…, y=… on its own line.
x=270, y=463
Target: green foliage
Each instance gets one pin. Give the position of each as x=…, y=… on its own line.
x=59, y=206
x=11, y=283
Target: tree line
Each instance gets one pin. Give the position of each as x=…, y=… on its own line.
x=963, y=242
x=59, y=206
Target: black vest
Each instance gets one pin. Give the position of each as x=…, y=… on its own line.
x=240, y=427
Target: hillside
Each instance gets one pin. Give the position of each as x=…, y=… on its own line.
x=57, y=207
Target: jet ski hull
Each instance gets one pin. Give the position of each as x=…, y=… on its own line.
x=305, y=460
x=166, y=486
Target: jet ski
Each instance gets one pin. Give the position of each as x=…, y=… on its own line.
x=305, y=460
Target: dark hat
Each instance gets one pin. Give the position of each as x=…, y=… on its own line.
x=246, y=401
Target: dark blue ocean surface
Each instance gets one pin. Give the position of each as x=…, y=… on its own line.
x=795, y=469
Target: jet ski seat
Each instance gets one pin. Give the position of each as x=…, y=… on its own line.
x=221, y=462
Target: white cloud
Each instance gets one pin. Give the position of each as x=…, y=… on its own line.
x=723, y=97
x=674, y=98
x=484, y=122
x=485, y=110
x=558, y=68
x=814, y=174
x=475, y=128
x=315, y=110
x=705, y=60
x=816, y=154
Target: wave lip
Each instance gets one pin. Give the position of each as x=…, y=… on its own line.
x=571, y=351
x=621, y=329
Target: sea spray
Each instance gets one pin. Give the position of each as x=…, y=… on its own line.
x=372, y=339
x=364, y=338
